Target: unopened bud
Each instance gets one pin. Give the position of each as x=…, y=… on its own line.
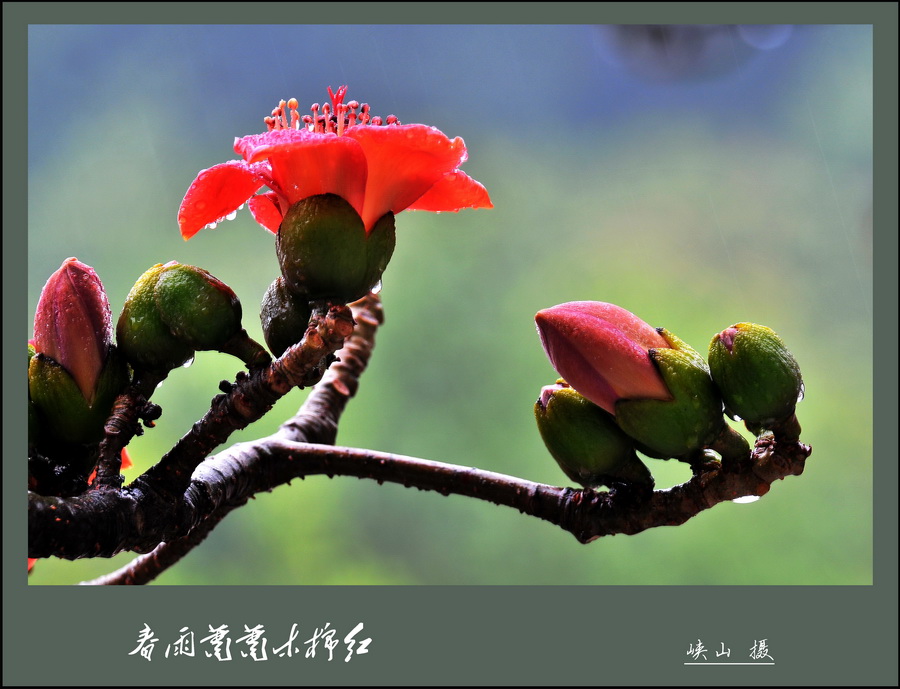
x=759, y=378
x=73, y=325
x=658, y=388
x=690, y=421
x=74, y=372
x=325, y=252
x=585, y=440
x=64, y=415
x=174, y=310
x=284, y=317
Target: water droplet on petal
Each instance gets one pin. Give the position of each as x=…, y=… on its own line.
x=231, y=216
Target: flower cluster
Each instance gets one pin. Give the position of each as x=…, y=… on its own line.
x=658, y=391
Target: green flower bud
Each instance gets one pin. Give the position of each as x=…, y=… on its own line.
x=585, y=440
x=759, y=378
x=63, y=414
x=688, y=422
x=284, y=317
x=325, y=252
x=174, y=310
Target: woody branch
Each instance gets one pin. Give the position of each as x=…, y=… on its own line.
x=229, y=479
x=156, y=506
x=586, y=514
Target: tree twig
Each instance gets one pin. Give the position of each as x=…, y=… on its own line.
x=227, y=480
x=145, y=568
x=316, y=421
x=587, y=514
x=105, y=521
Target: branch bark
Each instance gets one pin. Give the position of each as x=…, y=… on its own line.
x=316, y=421
x=587, y=514
x=302, y=447
x=155, y=507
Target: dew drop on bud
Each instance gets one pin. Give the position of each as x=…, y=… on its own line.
x=746, y=499
x=802, y=392
x=376, y=288
x=187, y=364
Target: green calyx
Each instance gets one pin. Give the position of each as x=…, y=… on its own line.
x=199, y=309
x=141, y=332
x=759, y=378
x=684, y=424
x=174, y=310
x=61, y=412
x=585, y=441
x=325, y=252
x=284, y=317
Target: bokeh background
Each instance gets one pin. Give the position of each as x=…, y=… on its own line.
x=697, y=176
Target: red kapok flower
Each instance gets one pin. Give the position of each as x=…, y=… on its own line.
x=340, y=149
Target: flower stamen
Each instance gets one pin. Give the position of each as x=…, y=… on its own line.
x=341, y=110
x=351, y=115
x=328, y=118
x=295, y=116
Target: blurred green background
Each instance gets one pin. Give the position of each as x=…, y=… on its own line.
x=697, y=176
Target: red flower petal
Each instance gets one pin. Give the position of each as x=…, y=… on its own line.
x=266, y=212
x=405, y=161
x=31, y=561
x=307, y=164
x=215, y=193
x=453, y=192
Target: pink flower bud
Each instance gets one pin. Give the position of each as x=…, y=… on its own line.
x=602, y=351
x=73, y=324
